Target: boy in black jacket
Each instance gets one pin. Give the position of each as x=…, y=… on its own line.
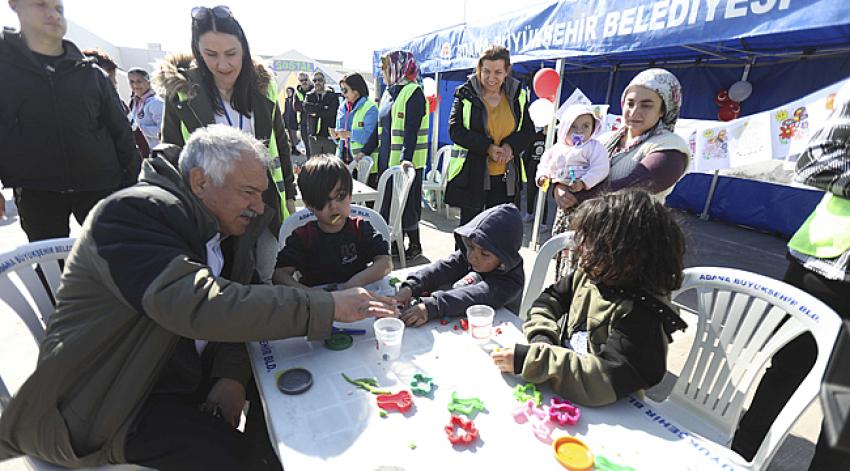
x=490, y=245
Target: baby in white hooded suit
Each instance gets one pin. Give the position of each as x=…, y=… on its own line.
x=576, y=160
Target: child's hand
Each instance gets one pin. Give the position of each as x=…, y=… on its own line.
x=503, y=358
x=576, y=186
x=403, y=296
x=415, y=316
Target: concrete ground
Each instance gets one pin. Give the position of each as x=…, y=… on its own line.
x=710, y=244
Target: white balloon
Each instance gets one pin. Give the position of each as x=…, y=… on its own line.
x=541, y=111
x=740, y=91
x=429, y=86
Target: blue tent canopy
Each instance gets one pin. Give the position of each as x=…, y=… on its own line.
x=794, y=47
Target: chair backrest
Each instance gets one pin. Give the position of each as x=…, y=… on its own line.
x=541, y=265
x=363, y=166
x=402, y=181
x=437, y=175
x=303, y=216
x=26, y=293
x=745, y=318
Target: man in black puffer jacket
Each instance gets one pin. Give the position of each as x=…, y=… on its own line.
x=64, y=140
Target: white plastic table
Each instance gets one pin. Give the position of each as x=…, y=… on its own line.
x=334, y=426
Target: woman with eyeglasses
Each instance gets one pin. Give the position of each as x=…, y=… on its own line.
x=146, y=107
x=356, y=122
x=403, y=137
x=221, y=84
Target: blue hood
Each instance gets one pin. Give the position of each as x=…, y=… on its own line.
x=499, y=230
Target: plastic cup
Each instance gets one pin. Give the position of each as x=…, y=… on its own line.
x=480, y=318
x=388, y=334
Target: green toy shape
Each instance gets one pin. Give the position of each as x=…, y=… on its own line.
x=524, y=392
x=421, y=385
x=467, y=407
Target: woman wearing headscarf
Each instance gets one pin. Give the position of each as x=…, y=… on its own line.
x=221, y=84
x=403, y=136
x=489, y=126
x=645, y=153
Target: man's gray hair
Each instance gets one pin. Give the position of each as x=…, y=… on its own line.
x=214, y=148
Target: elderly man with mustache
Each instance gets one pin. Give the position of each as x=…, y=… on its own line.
x=143, y=360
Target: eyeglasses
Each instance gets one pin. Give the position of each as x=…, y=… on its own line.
x=303, y=80
x=318, y=79
x=221, y=11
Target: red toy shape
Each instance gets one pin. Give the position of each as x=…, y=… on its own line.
x=401, y=401
x=468, y=426
x=546, y=83
x=563, y=412
x=464, y=324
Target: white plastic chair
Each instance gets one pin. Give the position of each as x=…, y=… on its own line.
x=738, y=332
x=541, y=266
x=402, y=181
x=363, y=167
x=303, y=216
x=23, y=292
x=437, y=179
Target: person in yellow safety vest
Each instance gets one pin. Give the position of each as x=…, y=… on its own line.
x=204, y=89
x=819, y=255
x=356, y=121
x=489, y=126
x=403, y=135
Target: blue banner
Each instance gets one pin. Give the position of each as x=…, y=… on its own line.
x=570, y=29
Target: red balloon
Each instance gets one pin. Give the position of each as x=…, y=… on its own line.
x=728, y=113
x=546, y=83
x=432, y=103
x=722, y=97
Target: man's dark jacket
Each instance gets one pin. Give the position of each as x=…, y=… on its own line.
x=61, y=131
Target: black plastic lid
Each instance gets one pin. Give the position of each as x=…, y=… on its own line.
x=294, y=381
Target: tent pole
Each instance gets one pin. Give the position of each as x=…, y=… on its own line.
x=713, y=186
x=610, y=84
x=435, y=137
x=550, y=139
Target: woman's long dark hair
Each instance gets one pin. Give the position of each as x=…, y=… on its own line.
x=246, y=83
x=356, y=82
x=629, y=240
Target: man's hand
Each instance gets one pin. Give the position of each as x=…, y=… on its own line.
x=406, y=164
x=2, y=206
x=415, y=316
x=359, y=156
x=503, y=358
x=403, y=296
x=541, y=182
x=356, y=303
x=229, y=396
x=563, y=197
x=290, y=206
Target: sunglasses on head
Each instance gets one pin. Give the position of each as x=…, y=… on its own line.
x=221, y=11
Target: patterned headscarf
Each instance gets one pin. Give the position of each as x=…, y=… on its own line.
x=400, y=66
x=667, y=86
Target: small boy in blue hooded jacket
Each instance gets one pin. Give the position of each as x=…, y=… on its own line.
x=489, y=248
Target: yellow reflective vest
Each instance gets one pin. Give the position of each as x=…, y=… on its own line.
x=420, y=152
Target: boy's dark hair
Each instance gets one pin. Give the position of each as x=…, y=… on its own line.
x=355, y=82
x=629, y=240
x=318, y=178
